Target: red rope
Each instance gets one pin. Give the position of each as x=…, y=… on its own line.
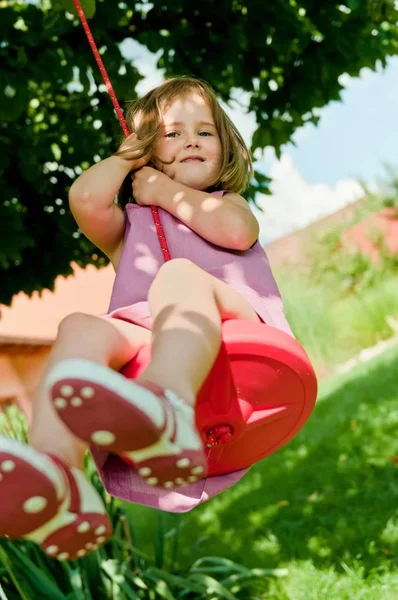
x=111, y=92
x=220, y=434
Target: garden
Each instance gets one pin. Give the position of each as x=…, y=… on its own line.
x=317, y=520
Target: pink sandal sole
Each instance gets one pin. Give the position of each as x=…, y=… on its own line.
x=36, y=508
x=171, y=471
x=89, y=530
x=103, y=417
x=30, y=497
x=137, y=422
x=87, y=533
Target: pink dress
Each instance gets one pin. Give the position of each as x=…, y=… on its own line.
x=248, y=272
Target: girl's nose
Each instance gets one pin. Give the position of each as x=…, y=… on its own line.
x=192, y=141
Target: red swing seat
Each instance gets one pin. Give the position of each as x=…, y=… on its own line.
x=259, y=394
x=262, y=387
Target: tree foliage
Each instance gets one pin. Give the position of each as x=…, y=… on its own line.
x=56, y=118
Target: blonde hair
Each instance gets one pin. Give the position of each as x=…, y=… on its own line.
x=144, y=121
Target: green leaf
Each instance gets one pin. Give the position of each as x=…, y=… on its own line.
x=159, y=541
x=44, y=52
x=14, y=97
x=88, y=6
x=224, y=563
x=56, y=150
x=353, y=4
x=129, y=592
x=40, y=584
x=13, y=576
x=213, y=586
x=261, y=138
x=183, y=582
x=163, y=590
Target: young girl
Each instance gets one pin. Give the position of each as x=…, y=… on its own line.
x=186, y=157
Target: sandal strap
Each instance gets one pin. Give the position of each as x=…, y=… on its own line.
x=74, y=495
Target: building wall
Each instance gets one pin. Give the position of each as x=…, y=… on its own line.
x=364, y=235
x=19, y=376
x=292, y=249
x=34, y=322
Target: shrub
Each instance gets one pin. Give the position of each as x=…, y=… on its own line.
x=119, y=570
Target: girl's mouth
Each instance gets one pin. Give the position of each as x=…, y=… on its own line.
x=193, y=159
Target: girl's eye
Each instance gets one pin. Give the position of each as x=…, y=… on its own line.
x=175, y=134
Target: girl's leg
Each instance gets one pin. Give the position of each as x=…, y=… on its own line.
x=46, y=497
x=151, y=422
x=99, y=339
x=187, y=305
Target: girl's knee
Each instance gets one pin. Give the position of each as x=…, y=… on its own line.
x=175, y=267
x=178, y=278
x=172, y=271
x=75, y=323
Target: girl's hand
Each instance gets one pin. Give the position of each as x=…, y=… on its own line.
x=147, y=184
x=129, y=149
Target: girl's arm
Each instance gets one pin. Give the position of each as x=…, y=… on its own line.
x=91, y=200
x=226, y=221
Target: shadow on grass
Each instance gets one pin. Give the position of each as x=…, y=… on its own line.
x=331, y=495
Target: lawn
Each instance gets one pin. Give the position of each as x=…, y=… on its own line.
x=322, y=512
x=350, y=323
x=324, y=507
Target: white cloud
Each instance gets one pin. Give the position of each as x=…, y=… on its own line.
x=294, y=203
x=145, y=62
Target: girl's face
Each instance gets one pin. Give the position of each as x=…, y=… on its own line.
x=189, y=141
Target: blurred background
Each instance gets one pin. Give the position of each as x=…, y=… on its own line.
x=313, y=88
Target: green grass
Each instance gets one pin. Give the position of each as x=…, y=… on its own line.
x=324, y=507
x=322, y=512
x=333, y=327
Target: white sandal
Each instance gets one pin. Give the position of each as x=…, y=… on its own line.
x=45, y=501
x=147, y=426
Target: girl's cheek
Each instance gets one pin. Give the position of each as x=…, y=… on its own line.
x=169, y=170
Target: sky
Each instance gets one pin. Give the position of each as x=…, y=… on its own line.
x=320, y=174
